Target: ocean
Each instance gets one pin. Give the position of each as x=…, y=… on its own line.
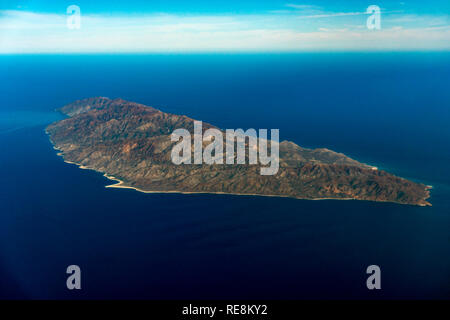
x=390, y=110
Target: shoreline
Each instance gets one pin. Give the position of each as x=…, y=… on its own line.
x=121, y=185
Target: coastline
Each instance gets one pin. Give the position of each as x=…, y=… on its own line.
x=121, y=185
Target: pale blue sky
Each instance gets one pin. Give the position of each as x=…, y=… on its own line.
x=222, y=26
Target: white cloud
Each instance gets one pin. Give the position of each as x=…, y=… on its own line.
x=333, y=14
x=302, y=6
x=430, y=20
x=28, y=32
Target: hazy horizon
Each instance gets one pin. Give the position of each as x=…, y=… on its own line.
x=232, y=26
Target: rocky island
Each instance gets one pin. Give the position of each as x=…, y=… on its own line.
x=131, y=143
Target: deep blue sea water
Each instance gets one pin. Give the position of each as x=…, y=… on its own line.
x=390, y=110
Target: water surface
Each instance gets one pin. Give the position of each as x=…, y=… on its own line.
x=390, y=110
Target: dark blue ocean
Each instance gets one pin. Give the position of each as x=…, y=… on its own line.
x=391, y=110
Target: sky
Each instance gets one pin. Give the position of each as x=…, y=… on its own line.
x=145, y=26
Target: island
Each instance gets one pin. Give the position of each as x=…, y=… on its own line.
x=131, y=144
